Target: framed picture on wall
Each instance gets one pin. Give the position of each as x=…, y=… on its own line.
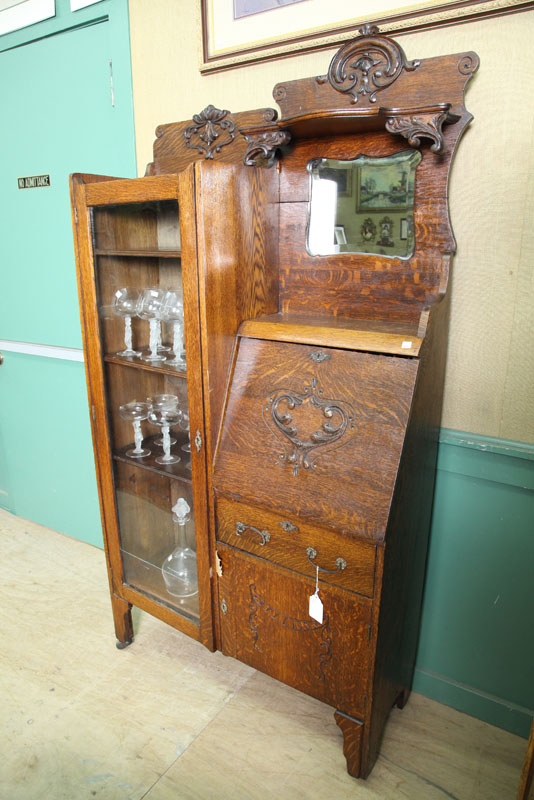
x=237, y=32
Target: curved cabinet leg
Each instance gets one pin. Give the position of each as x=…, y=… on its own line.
x=122, y=618
x=352, y=731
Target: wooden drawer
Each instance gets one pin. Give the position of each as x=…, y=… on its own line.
x=298, y=545
x=265, y=623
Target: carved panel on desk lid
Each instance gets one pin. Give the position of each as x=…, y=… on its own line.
x=366, y=65
x=209, y=125
x=321, y=629
x=307, y=424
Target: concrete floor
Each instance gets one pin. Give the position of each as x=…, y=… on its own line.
x=165, y=718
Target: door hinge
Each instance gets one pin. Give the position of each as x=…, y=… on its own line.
x=75, y=215
x=218, y=565
x=198, y=441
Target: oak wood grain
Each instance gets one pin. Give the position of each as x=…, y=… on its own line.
x=288, y=541
x=267, y=625
x=375, y=336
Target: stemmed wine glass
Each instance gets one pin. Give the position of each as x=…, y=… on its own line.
x=149, y=308
x=165, y=417
x=135, y=412
x=180, y=568
x=173, y=311
x=163, y=401
x=124, y=305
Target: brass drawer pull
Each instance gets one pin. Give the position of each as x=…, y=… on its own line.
x=311, y=552
x=240, y=528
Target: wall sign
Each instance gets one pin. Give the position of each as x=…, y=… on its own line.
x=34, y=181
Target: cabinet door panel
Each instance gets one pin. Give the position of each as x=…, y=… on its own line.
x=265, y=623
x=143, y=357
x=320, y=432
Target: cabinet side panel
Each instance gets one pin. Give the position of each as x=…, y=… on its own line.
x=407, y=539
x=237, y=233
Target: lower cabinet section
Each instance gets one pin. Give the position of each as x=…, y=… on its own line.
x=265, y=622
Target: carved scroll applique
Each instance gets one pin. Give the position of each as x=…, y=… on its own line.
x=322, y=630
x=415, y=127
x=366, y=65
x=208, y=127
x=264, y=145
x=330, y=424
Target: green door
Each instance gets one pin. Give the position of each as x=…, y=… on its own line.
x=67, y=107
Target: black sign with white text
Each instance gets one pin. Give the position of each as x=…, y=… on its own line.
x=34, y=181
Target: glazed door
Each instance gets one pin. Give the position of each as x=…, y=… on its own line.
x=141, y=320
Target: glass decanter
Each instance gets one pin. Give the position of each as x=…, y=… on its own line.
x=124, y=305
x=180, y=568
x=135, y=412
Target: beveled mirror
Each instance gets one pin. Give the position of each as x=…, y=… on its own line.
x=363, y=206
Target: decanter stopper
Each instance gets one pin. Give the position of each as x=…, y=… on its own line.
x=181, y=511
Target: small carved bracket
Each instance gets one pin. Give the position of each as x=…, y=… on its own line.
x=366, y=65
x=263, y=146
x=416, y=126
x=208, y=127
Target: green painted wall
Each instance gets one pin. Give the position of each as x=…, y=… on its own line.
x=56, y=93
x=476, y=649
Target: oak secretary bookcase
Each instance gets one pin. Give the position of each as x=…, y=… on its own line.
x=265, y=321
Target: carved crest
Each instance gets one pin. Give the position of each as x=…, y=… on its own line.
x=325, y=424
x=208, y=127
x=366, y=65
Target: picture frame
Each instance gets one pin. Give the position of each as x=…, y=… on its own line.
x=339, y=234
x=286, y=30
x=342, y=177
x=383, y=188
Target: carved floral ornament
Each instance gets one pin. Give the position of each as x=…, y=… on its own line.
x=331, y=421
x=366, y=65
x=209, y=125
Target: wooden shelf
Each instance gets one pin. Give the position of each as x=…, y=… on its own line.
x=375, y=336
x=136, y=363
x=179, y=470
x=140, y=253
x=146, y=577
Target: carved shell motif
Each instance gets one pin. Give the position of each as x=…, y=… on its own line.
x=331, y=421
x=366, y=65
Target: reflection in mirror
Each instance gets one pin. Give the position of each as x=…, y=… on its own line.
x=363, y=206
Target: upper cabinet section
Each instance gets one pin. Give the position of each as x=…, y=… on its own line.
x=363, y=154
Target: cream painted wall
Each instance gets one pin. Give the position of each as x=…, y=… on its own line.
x=490, y=368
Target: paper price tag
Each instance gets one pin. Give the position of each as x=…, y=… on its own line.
x=316, y=608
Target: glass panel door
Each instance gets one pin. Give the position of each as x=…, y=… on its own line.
x=138, y=279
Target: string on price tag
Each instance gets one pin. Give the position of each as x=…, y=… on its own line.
x=316, y=606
